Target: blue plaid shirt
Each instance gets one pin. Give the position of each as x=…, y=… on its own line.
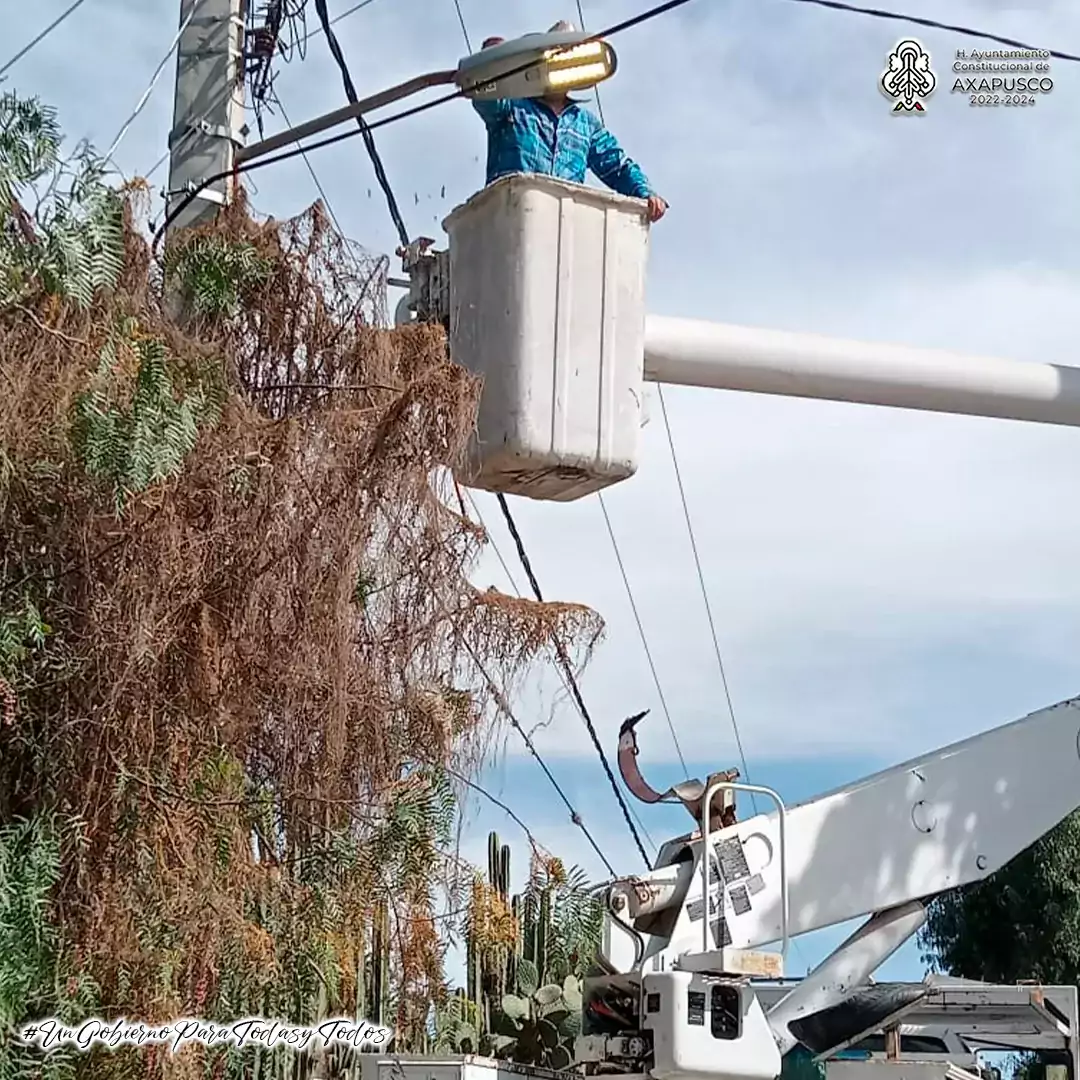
x=525, y=136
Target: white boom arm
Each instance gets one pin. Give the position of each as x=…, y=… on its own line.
x=936, y=822
x=689, y=352
x=880, y=848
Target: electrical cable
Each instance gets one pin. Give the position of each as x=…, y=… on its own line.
x=362, y=124
x=933, y=24
x=641, y=634
x=705, y=595
x=193, y=193
x=464, y=29
x=709, y=616
x=314, y=176
x=41, y=37
x=596, y=89
x=337, y=18
x=153, y=80
x=615, y=544
x=626, y=24
x=517, y=589
x=504, y=707
x=568, y=671
x=288, y=155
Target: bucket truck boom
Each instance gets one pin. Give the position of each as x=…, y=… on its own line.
x=678, y=977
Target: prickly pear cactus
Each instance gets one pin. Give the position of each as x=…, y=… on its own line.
x=539, y=1027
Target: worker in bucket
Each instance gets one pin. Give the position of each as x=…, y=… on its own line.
x=557, y=136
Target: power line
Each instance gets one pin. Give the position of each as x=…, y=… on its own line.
x=42, y=36
x=153, y=81
x=618, y=554
x=504, y=707
x=362, y=124
x=562, y=676
x=596, y=89
x=933, y=24
x=626, y=24
x=395, y=213
x=705, y=593
x=314, y=176
x=367, y=128
x=337, y=18
x=568, y=671
x=712, y=623
x=641, y=634
x=461, y=20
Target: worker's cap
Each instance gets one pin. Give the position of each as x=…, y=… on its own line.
x=563, y=26
x=492, y=41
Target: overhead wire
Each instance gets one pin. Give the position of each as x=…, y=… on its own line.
x=464, y=28
x=562, y=676
x=721, y=667
x=564, y=666
x=32, y=44
x=362, y=124
x=626, y=24
x=503, y=704
x=705, y=593
x=934, y=24
x=641, y=633
x=568, y=670
x=315, y=31
x=314, y=175
x=365, y=129
x=504, y=707
x=705, y=596
x=615, y=544
x=141, y=104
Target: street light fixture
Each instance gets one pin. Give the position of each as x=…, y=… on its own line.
x=535, y=65
x=529, y=66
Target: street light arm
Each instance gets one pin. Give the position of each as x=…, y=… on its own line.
x=344, y=114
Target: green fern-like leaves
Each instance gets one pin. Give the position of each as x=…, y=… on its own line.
x=135, y=445
x=33, y=981
x=73, y=244
x=216, y=273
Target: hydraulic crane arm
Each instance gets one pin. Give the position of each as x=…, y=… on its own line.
x=936, y=822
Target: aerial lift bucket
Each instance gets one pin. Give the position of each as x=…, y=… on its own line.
x=547, y=306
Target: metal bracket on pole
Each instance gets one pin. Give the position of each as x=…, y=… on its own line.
x=429, y=277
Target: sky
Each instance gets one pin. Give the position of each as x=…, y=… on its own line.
x=882, y=582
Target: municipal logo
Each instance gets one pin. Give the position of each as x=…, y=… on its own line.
x=908, y=79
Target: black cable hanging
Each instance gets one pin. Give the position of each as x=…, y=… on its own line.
x=568, y=671
x=365, y=129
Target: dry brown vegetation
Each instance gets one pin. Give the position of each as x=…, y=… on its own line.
x=241, y=678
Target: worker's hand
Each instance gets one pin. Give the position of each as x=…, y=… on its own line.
x=656, y=208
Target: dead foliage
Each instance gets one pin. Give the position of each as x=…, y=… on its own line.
x=248, y=674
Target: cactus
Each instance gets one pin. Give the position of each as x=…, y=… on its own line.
x=539, y=1028
x=512, y=1006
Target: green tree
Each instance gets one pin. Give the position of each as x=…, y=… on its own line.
x=72, y=242
x=1021, y=923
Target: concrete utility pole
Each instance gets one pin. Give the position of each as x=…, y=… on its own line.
x=208, y=111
